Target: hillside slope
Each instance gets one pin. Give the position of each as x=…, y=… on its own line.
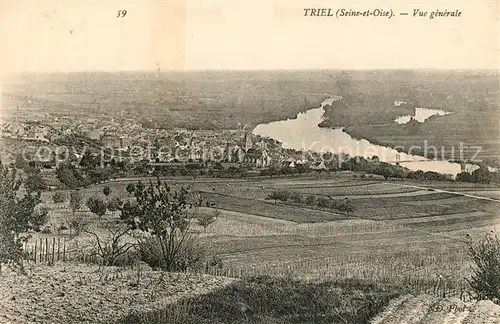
x=426, y=309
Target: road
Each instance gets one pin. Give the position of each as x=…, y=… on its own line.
x=448, y=191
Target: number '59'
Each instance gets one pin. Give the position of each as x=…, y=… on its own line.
x=121, y=13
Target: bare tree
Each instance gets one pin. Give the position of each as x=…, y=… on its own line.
x=162, y=213
x=112, y=245
x=205, y=219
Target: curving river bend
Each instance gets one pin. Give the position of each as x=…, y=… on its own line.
x=303, y=133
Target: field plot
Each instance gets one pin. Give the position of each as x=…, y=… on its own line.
x=405, y=236
x=416, y=238
x=370, y=189
x=269, y=209
x=495, y=194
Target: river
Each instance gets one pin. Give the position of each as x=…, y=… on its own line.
x=303, y=133
x=421, y=115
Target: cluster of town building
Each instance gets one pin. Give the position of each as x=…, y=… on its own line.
x=156, y=145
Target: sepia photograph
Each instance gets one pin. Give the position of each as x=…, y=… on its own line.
x=237, y=162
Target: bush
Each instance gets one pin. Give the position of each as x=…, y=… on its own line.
x=485, y=279
x=206, y=219
x=162, y=214
x=278, y=195
x=189, y=256
x=76, y=224
x=310, y=200
x=323, y=202
x=97, y=206
x=296, y=197
x=111, y=246
x=114, y=204
x=20, y=213
x=58, y=197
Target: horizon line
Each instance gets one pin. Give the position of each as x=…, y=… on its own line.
x=254, y=70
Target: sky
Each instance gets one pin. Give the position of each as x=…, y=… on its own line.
x=76, y=35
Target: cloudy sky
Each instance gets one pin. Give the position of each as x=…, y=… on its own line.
x=76, y=35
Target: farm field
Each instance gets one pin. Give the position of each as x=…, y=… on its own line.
x=72, y=293
x=416, y=238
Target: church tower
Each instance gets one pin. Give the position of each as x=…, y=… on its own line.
x=248, y=141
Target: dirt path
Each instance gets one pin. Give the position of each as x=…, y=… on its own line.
x=76, y=293
x=448, y=191
x=426, y=309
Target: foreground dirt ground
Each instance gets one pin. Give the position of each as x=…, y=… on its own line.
x=426, y=309
x=71, y=293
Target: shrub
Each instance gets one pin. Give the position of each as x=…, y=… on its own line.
x=46, y=230
x=59, y=197
x=296, y=197
x=111, y=246
x=19, y=214
x=130, y=188
x=323, y=202
x=190, y=254
x=114, y=204
x=75, y=201
x=76, y=223
x=106, y=191
x=310, y=200
x=97, y=206
x=485, y=279
x=163, y=215
x=206, y=219
x=278, y=195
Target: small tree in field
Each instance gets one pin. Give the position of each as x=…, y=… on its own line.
x=485, y=279
x=18, y=214
x=75, y=201
x=274, y=196
x=205, y=219
x=130, y=188
x=97, y=206
x=162, y=212
x=58, y=197
x=106, y=191
x=114, y=204
x=111, y=246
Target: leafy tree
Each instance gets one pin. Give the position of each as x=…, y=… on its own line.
x=296, y=197
x=205, y=219
x=130, y=188
x=69, y=176
x=89, y=161
x=481, y=175
x=279, y=195
x=384, y=169
x=162, y=212
x=485, y=279
x=97, y=206
x=323, y=202
x=75, y=201
x=77, y=224
x=273, y=196
x=98, y=175
x=35, y=182
x=346, y=206
x=310, y=200
x=59, y=197
x=114, y=204
x=106, y=191
x=19, y=214
x=464, y=177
